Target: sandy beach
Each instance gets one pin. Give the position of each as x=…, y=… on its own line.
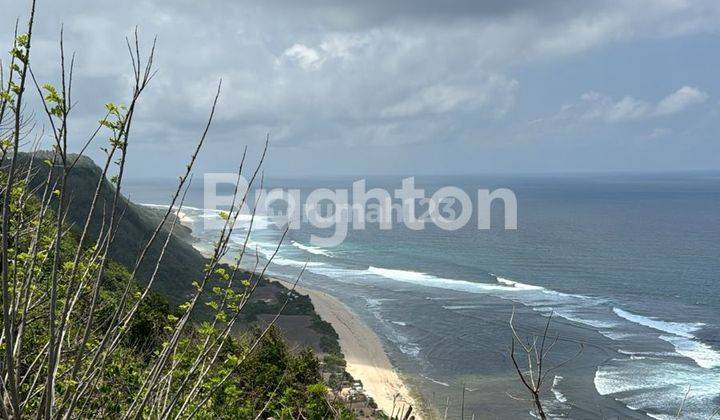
x=364, y=353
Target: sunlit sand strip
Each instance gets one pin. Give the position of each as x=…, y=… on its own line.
x=364, y=353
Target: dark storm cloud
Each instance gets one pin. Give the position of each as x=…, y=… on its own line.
x=346, y=15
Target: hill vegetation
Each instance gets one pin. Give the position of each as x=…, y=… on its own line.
x=270, y=370
x=107, y=312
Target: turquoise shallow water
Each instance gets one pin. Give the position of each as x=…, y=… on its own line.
x=628, y=264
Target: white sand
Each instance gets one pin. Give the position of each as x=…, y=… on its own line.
x=364, y=353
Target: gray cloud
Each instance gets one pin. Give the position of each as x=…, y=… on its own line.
x=348, y=73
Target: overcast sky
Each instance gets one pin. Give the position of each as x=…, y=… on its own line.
x=402, y=87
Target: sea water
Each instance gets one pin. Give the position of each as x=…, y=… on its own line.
x=627, y=264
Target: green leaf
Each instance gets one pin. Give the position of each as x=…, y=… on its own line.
x=22, y=40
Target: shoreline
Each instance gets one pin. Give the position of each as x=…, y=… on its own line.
x=365, y=356
x=364, y=353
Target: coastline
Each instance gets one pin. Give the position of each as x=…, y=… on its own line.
x=365, y=356
x=364, y=352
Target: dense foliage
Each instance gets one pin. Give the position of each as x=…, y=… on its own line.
x=84, y=334
x=271, y=379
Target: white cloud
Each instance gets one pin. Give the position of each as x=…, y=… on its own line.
x=683, y=98
x=344, y=46
x=304, y=56
x=495, y=96
x=595, y=106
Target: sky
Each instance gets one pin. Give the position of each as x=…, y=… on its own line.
x=408, y=87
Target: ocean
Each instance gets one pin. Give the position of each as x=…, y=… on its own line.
x=627, y=264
